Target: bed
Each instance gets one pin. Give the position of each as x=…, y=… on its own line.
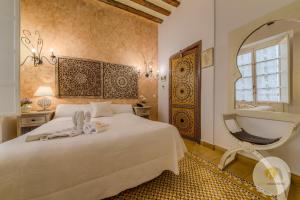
x=130, y=152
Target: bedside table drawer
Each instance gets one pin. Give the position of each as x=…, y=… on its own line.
x=141, y=111
x=33, y=120
x=29, y=121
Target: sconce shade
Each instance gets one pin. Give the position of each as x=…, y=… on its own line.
x=43, y=91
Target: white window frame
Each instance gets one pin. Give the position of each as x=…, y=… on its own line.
x=243, y=53
x=265, y=43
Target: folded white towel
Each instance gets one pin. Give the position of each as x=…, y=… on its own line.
x=94, y=127
x=48, y=136
x=100, y=127
x=63, y=134
x=82, y=125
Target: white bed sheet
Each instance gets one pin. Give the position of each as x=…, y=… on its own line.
x=132, y=151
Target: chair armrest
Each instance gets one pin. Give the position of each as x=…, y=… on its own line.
x=229, y=116
x=8, y=128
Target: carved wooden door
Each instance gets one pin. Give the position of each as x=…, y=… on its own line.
x=185, y=92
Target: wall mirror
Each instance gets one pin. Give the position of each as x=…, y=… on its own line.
x=269, y=64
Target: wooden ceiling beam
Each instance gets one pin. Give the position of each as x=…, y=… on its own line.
x=132, y=10
x=152, y=6
x=174, y=3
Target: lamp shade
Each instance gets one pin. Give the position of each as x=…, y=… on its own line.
x=43, y=91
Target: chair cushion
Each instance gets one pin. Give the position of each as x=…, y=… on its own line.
x=246, y=137
x=232, y=126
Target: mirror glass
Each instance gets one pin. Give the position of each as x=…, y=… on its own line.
x=269, y=65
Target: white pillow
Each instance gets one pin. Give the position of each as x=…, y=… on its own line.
x=232, y=126
x=67, y=110
x=101, y=109
x=121, y=108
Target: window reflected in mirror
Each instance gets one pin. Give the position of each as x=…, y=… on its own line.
x=267, y=62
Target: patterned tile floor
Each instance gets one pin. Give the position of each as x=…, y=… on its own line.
x=239, y=168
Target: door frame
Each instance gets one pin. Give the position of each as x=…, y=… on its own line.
x=12, y=84
x=181, y=53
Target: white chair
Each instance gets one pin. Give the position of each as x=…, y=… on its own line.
x=8, y=128
x=250, y=143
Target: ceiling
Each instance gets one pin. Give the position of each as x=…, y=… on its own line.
x=154, y=10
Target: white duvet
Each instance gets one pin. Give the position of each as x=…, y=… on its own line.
x=132, y=151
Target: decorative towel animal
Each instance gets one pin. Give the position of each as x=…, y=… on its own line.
x=92, y=127
x=88, y=126
x=78, y=120
x=82, y=122
x=87, y=117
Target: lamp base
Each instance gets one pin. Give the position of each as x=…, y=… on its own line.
x=44, y=103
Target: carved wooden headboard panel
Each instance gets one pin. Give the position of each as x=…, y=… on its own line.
x=76, y=77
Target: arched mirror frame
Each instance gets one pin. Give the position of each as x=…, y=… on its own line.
x=269, y=23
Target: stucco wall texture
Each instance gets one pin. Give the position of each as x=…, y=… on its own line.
x=87, y=29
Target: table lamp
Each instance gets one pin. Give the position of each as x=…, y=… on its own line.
x=44, y=92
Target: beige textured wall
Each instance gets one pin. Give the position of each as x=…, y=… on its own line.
x=88, y=29
x=191, y=22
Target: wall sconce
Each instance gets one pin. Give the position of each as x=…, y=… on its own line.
x=148, y=73
x=162, y=75
x=36, y=49
x=163, y=78
x=148, y=69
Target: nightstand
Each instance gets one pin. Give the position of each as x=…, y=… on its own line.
x=142, y=111
x=29, y=121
